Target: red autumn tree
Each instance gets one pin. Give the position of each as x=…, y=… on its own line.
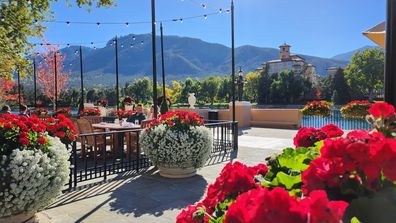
x=6, y=90
x=46, y=75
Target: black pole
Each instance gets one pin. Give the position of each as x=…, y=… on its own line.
x=56, y=82
x=19, y=89
x=117, y=86
x=153, y=35
x=163, y=64
x=233, y=60
x=35, y=83
x=81, y=79
x=390, y=54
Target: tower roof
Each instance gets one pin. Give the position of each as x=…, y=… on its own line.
x=285, y=45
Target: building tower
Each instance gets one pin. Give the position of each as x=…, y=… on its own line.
x=285, y=52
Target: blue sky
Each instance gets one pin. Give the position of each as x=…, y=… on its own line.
x=315, y=27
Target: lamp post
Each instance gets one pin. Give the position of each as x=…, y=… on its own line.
x=390, y=54
x=82, y=80
x=233, y=59
x=19, y=88
x=240, y=83
x=34, y=83
x=153, y=37
x=117, y=86
x=164, y=106
x=56, y=80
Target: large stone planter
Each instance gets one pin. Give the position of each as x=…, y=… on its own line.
x=25, y=218
x=177, y=172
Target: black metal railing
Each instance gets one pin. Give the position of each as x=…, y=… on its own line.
x=101, y=154
x=337, y=119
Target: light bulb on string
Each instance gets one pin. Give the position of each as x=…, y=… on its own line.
x=181, y=20
x=98, y=24
x=131, y=45
x=220, y=10
x=141, y=42
x=127, y=24
x=94, y=47
x=228, y=11
x=204, y=6
x=122, y=45
x=133, y=38
x=68, y=23
x=206, y=16
x=68, y=45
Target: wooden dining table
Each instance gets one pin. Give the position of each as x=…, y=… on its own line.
x=119, y=138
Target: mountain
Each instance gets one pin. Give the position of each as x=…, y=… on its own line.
x=348, y=55
x=184, y=57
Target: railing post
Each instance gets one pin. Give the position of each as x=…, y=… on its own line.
x=74, y=152
x=235, y=135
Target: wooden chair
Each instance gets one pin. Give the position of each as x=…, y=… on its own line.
x=132, y=139
x=93, y=142
x=93, y=119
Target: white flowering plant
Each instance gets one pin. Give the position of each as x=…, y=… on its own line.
x=34, y=166
x=177, y=140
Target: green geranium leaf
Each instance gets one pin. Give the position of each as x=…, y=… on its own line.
x=287, y=180
x=355, y=220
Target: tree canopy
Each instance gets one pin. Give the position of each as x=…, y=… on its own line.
x=21, y=20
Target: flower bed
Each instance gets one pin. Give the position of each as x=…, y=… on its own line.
x=34, y=166
x=177, y=140
x=329, y=177
x=317, y=108
x=356, y=109
x=89, y=112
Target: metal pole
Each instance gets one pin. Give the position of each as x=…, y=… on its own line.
x=153, y=37
x=390, y=54
x=19, y=89
x=81, y=79
x=233, y=59
x=163, y=63
x=35, y=83
x=117, y=86
x=56, y=82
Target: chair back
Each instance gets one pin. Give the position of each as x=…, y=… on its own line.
x=145, y=123
x=93, y=119
x=85, y=127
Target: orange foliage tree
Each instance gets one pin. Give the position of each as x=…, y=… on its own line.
x=6, y=88
x=46, y=74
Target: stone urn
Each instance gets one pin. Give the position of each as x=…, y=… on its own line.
x=192, y=100
x=177, y=173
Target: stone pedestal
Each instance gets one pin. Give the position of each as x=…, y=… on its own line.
x=242, y=113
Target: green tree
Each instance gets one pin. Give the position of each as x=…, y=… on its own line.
x=335, y=82
x=224, y=93
x=252, y=86
x=263, y=91
x=187, y=87
x=365, y=73
x=21, y=20
x=209, y=89
x=141, y=90
x=287, y=88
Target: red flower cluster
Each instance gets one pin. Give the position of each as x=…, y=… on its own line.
x=89, y=112
x=307, y=137
x=317, y=108
x=234, y=180
x=264, y=205
x=187, y=216
x=360, y=157
x=125, y=113
x=19, y=131
x=178, y=119
x=381, y=110
x=62, y=128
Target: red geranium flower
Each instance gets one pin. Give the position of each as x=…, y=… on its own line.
x=42, y=140
x=24, y=141
x=332, y=131
x=381, y=110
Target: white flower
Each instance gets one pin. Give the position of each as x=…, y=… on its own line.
x=31, y=179
x=182, y=149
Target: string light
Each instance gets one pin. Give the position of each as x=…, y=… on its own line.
x=98, y=24
x=205, y=16
x=204, y=6
x=127, y=24
x=68, y=23
x=181, y=20
x=141, y=42
x=220, y=10
x=131, y=45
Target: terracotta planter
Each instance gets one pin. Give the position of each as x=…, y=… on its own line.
x=25, y=217
x=177, y=172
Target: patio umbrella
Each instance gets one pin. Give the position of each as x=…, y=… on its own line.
x=377, y=34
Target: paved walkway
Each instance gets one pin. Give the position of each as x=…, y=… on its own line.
x=147, y=197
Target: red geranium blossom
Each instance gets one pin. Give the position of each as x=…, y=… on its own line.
x=42, y=140
x=187, y=216
x=381, y=110
x=332, y=131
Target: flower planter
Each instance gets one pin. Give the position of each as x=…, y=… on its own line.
x=178, y=144
x=177, y=172
x=18, y=218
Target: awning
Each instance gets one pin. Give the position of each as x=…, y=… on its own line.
x=377, y=34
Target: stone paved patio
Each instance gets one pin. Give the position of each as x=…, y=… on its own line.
x=147, y=197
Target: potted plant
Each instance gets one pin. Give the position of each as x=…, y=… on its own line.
x=34, y=167
x=178, y=143
x=89, y=112
x=63, y=111
x=317, y=108
x=122, y=114
x=40, y=112
x=356, y=109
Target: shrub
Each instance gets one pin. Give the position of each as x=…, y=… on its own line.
x=125, y=113
x=89, y=112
